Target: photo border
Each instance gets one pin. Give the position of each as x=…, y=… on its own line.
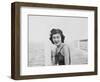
x=15, y=39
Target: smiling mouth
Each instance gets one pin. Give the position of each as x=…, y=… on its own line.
x=56, y=42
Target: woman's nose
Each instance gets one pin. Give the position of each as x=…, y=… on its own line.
x=56, y=39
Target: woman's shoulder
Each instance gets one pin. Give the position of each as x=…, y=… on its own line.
x=53, y=48
x=65, y=45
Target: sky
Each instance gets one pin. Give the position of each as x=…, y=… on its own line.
x=74, y=28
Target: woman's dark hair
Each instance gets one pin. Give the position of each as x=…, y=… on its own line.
x=56, y=31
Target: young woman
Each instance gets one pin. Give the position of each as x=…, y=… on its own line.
x=60, y=55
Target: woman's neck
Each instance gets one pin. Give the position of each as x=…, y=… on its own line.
x=58, y=46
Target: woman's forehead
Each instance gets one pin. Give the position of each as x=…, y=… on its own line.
x=57, y=34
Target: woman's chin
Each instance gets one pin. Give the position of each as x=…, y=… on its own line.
x=57, y=44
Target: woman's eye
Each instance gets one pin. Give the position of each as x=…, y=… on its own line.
x=53, y=37
x=57, y=36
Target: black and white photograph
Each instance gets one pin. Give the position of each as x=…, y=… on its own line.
x=50, y=40
x=57, y=40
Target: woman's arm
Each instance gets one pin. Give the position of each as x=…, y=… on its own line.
x=67, y=55
x=52, y=57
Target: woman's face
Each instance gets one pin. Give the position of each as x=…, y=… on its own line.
x=56, y=39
